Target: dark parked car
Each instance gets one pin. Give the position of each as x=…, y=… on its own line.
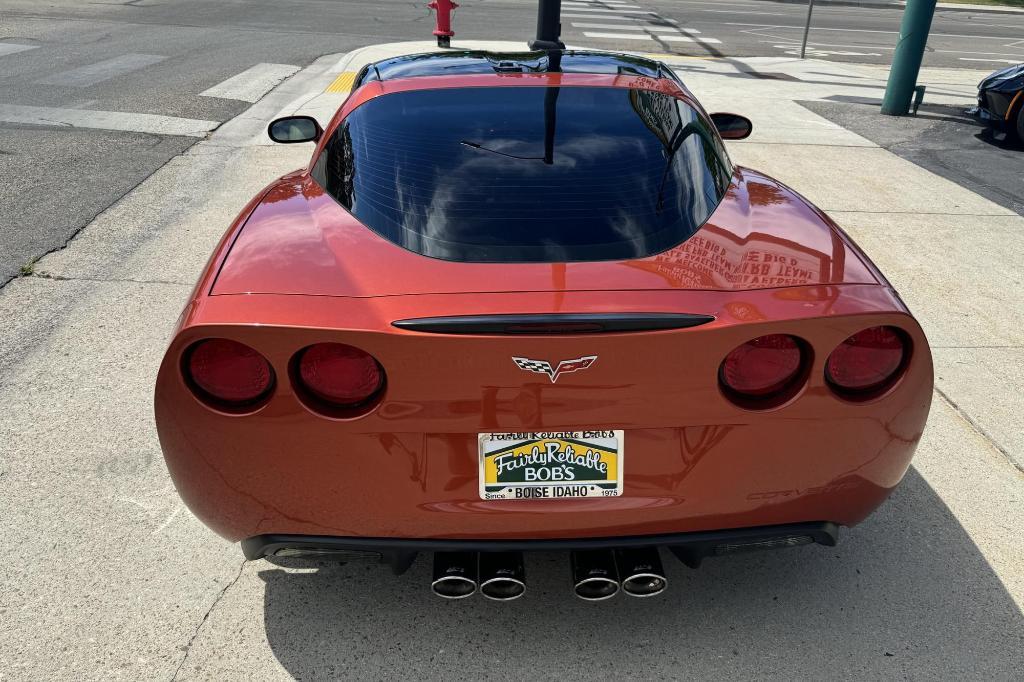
x=1000, y=102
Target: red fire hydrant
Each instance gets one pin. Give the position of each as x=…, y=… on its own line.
x=444, y=31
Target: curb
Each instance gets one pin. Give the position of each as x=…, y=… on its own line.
x=895, y=4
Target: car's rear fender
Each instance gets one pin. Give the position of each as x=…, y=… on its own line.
x=407, y=466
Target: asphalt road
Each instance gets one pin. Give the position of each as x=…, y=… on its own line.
x=157, y=58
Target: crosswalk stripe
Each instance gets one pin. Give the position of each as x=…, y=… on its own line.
x=14, y=48
x=652, y=36
x=611, y=11
x=106, y=120
x=576, y=5
x=632, y=27
x=687, y=39
x=251, y=84
x=90, y=74
x=602, y=17
x=620, y=36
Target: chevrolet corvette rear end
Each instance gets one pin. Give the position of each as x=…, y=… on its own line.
x=511, y=307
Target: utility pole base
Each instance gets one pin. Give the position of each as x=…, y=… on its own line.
x=906, y=60
x=547, y=45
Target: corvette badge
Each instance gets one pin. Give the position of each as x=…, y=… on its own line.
x=564, y=367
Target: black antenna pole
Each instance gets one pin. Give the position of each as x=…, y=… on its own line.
x=549, y=26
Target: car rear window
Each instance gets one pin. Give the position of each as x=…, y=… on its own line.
x=527, y=174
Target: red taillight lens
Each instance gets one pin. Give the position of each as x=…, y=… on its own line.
x=763, y=367
x=229, y=372
x=339, y=374
x=866, y=361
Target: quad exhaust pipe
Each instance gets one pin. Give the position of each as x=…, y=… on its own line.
x=596, y=574
x=502, y=576
x=600, y=574
x=641, y=571
x=498, y=575
x=455, y=574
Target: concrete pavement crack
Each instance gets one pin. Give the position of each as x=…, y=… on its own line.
x=102, y=280
x=206, y=616
x=980, y=430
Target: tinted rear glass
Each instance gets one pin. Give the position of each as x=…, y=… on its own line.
x=527, y=174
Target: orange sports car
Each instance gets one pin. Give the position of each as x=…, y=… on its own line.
x=526, y=302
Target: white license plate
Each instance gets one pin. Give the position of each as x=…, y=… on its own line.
x=551, y=465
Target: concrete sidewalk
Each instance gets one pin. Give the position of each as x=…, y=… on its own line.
x=108, y=576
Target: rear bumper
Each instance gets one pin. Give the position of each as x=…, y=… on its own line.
x=694, y=461
x=399, y=553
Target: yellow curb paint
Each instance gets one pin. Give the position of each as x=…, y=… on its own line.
x=343, y=83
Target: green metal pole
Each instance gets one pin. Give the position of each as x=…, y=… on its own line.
x=906, y=61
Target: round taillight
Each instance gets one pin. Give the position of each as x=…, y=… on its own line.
x=764, y=367
x=867, y=361
x=229, y=372
x=341, y=375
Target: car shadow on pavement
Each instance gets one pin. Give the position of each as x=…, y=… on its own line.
x=941, y=138
x=907, y=593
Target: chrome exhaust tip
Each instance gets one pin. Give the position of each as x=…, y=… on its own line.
x=594, y=577
x=455, y=574
x=502, y=575
x=641, y=571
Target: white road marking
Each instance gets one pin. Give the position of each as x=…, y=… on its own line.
x=1018, y=58
x=603, y=18
x=817, y=52
x=729, y=11
x=620, y=36
x=14, y=48
x=648, y=36
x=788, y=44
x=612, y=11
x=633, y=27
x=872, y=30
x=251, y=84
x=106, y=120
x=589, y=4
x=688, y=39
x=90, y=74
x=978, y=59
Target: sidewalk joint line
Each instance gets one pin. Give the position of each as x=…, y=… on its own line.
x=959, y=215
x=206, y=616
x=972, y=347
x=980, y=430
x=818, y=144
